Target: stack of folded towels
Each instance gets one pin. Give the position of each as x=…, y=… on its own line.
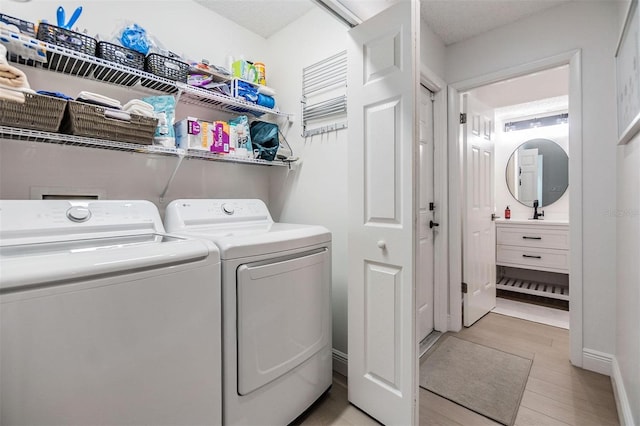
x=13, y=82
x=136, y=106
x=114, y=108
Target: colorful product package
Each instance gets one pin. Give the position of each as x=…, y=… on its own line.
x=192, y=133
x=165, y=108
x=220, y=130
x=240, y=134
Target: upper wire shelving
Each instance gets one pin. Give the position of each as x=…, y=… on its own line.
x=78, y=64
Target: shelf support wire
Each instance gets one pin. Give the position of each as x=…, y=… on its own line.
x=324, y=96
x=173, y=175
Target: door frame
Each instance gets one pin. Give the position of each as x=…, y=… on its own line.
x=573, y=59
x=430, y=80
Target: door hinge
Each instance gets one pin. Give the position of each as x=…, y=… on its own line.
x=432, y=206
x=464, y=288
x=463, y=118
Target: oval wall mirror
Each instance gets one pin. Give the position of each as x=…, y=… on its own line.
x=538, y=170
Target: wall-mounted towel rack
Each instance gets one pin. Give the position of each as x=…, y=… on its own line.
x=324, y=95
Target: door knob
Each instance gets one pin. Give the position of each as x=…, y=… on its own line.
x=432, y=224
x=382, y=244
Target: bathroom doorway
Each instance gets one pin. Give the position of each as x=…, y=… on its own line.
x=573, y=223
x=530, y=141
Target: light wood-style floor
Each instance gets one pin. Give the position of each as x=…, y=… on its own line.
x=556, y=392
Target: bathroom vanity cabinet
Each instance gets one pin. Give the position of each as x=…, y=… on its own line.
x=532, y=257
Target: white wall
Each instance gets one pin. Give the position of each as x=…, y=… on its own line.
x=432, y=50
x=592, y=27
x=316, y=192
x=627, y=216
x=183, y=26
x=627, y=317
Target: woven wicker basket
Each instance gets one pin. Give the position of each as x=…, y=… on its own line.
x=38, y=112
x=163, y=66
x=89, y=120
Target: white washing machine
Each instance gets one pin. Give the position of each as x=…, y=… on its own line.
x=105, y=319
x=276, y=291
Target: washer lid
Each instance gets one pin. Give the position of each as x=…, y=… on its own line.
x=245, y=241
x=47, y=241
x=35, y=264
x=43, y=221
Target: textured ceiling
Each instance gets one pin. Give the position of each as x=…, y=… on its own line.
x=262, y=17
x=457, y=20
x=451, y=20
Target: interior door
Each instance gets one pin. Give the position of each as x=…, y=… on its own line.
x=528, y=175
x=478, y=228
x=382, y=113
x=426, y=228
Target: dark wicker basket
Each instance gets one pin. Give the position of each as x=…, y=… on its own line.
x=38, y=112
x=89, y=120
x=120, y=55
x=70, y=40
x=166, y=67
x=66, y=38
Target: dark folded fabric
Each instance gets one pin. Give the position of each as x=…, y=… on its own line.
x=55, y=95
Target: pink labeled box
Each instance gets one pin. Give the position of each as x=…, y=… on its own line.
x=220, y=131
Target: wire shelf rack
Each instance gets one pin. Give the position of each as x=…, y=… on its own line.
x=78, y=64
x=15, y=133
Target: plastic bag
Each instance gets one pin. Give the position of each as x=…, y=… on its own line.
x=264, y=138
x=165, y=109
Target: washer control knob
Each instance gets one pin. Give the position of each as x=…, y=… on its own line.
x=78, y=214
x=228, y=209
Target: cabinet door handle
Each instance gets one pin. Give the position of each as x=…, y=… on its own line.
x=532, y=257
x=524, y=237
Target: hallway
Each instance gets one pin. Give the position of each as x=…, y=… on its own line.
x=556, y=392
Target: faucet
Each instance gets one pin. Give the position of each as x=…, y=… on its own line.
x=537, y=215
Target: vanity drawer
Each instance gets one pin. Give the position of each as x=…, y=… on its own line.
x=533, y=258
x=533, y=236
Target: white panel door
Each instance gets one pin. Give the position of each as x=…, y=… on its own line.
x=478, y=227
x=426, y=232
x=382, y=214
x=528, y=176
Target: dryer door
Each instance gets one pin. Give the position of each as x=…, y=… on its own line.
x=283, y=315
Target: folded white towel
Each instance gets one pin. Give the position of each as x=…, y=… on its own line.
x=3, y=54
x=142, y=111
x=11, y=95
x=117, y=114
x=138, y=104
x=98, y=98
x=11, y=76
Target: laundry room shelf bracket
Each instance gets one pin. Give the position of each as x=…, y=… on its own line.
x=180, y=153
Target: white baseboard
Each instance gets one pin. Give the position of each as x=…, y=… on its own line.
x=622, y=401
x=599, y=362
x=340, y=362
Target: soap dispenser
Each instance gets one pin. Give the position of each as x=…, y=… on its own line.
x=507, y=213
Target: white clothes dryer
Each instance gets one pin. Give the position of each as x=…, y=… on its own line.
x=276, y=304
x=104, y=318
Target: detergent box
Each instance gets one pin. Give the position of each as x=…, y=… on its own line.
x=220, y=131
x=192, y=133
